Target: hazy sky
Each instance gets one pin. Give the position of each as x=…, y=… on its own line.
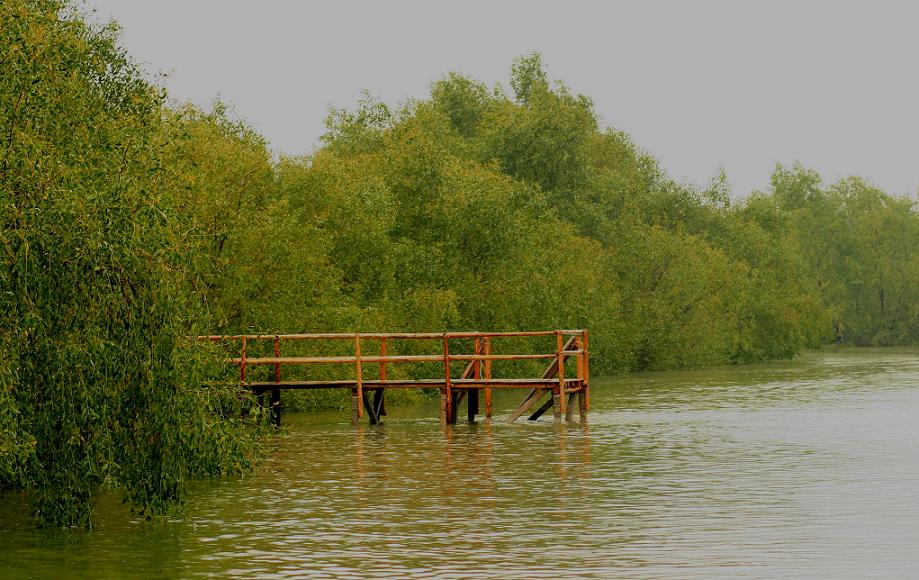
x=700, y=85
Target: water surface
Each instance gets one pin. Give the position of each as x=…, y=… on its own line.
x=794, y=469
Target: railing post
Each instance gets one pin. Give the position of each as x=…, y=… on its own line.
x=582, y=365
x=360, y=378
x=487, y=377
x=560, y=400
x=448, y=392
x=276, y=393
x=277, y=354
x=379, y=400
x=472, y=395
x=242, y=364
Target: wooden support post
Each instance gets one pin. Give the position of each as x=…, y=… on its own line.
x=360, y=378
x=371, y=411
x=381, y=404
x=275, y=400
x=569, y=414
x=487, y=378
x=472, y=399
x=448, y=391
x=277, y=354
x=275, y=415
x=443, y=406
x=582, y=403
x=455, y=400
x=556, y=404
x=579, y=360
x=562, y=406
x=472, y=405
x=541, y=410
x=379, y=408
x=242, y=364
x=355, y=408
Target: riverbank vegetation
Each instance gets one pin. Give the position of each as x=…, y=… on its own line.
x=129, y=223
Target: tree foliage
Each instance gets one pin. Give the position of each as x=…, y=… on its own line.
x=97, y=388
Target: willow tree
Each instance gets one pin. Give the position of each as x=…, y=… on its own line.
x=97, y=389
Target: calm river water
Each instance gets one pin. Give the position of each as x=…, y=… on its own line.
x=792, y=469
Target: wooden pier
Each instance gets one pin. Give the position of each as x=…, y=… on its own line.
x=562, y=386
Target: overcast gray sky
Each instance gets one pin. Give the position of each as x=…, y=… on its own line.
x=700, y=85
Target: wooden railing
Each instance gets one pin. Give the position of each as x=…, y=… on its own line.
x=477, y=374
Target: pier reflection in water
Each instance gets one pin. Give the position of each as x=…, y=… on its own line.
x=806, y=468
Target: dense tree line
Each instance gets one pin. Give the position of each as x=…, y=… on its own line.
x=129, y=224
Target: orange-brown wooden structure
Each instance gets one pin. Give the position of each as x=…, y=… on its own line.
x=561, y=386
